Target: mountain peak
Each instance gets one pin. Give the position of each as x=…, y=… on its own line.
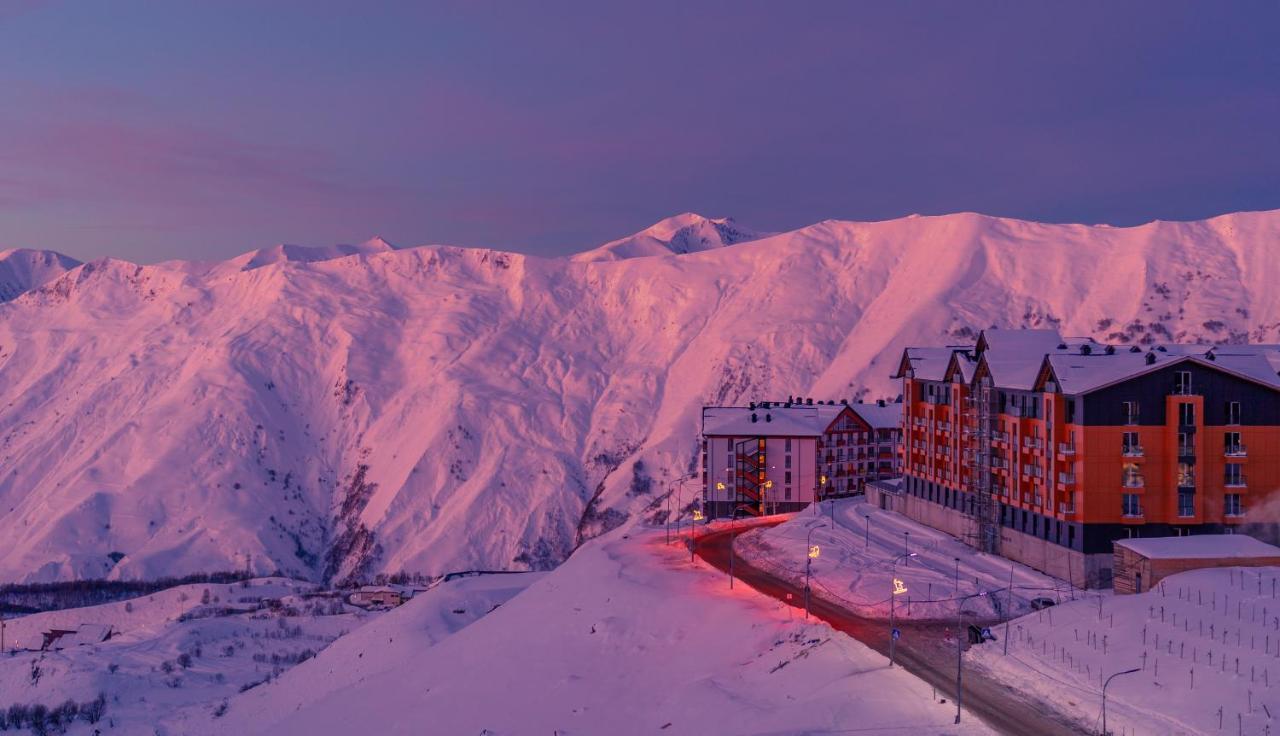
x=22, y=270
x=687, y=232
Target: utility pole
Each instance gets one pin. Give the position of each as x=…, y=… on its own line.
x=867, y=519
x=732, y=534
x=898, y=589
x=1008, y=615
x=960, y=649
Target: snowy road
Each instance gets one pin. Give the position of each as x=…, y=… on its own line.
x=921, y=649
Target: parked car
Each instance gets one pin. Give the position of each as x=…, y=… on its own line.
x=1039, y=604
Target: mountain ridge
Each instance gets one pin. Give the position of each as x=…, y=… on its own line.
x=439, y=407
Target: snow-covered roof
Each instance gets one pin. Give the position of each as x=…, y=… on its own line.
x=779, y=421
x=1078, y=373
x=1020, y=342
x=930, y=364
x=879, y=417
x=1200, y=546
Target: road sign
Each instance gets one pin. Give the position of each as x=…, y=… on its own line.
x=986, y=633
x=897, y=634
x=899, y=587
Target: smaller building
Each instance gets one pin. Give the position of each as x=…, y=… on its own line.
x=376, y=596
x=1141, y=563
x=84, y=635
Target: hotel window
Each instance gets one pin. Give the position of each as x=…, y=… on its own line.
x=1233, y=412
x=1186, y=446
x=1131, y=504
x=1130, y=444
x=1234, y=474
x=787, y=478
x=1186, y=475
x=787, y=461
x=1182, y=382
x=1070, y=414
x=1231, y=505
x=788, y=447
x=1131, y=476
x=1186, y=504
x=1187, y=415
x=1231, y=443
x=1130, y=412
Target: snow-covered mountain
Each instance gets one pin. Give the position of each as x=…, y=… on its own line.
x=439, y=408
x=22, y=270
x=686, y=233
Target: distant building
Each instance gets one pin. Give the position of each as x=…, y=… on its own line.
x=376, y=596
x=776, y=457
x=1141, y=563
x=83, y=635
x=1046, y=448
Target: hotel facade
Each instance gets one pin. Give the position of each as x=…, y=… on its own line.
x=773, y=457
x=1046, y=449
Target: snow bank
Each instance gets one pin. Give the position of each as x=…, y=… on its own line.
x=856, y=568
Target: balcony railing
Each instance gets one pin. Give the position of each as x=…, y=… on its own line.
x=1137, y=513
x=1186, y=450
x=1034, y=443
x=1235, y=482
x=1132, y=481
x=1237, y=451
x=1131, y=451
x=1067, y=479
x=1067, y=508
x=1066, y=449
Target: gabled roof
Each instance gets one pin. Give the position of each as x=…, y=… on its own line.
x=1199, y=546
x=1018, y=341
x=888, y=416
x=929, y=364
x=1079, y=374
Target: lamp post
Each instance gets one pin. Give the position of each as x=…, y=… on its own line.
x=693, y=533
x=898, y=589
x=867, y=529
x=813, y=552
x=960, y=647
x=906, y=543
x=1104, y=695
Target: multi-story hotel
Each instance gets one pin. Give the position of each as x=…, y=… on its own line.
x=1046, y=449
x=779, y=456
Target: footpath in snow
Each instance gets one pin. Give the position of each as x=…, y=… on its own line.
x=856, y=567
x=626, y=637
x=1205, y=644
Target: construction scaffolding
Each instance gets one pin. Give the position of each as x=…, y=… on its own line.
x=983, y=510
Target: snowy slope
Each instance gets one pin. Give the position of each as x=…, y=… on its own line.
x=628, y=637
x=440, y=408
x=22, y=270
x=686, y=233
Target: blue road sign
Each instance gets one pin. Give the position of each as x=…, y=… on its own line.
x=897, y=634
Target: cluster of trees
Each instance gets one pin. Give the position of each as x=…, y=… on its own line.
x=35, y=597
x=43, y=720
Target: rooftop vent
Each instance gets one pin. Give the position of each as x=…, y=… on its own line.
x=1135, y=349
x=879, y=402
x=1085, y=350
x=1211, y=356
x=768, y=417
x=1161, y=348
x=752, y=405
x=1151, y=358
x=753, y=417
x=1062, y=346
x=809, y=401
x=1109, y=350
x=844, y=402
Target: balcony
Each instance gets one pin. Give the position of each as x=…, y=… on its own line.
x=1066, y=449
x=1067, y=509
x=1131, y=451
x=1034, y=443
x=1186, y=450
x=1235, y=481
x=1134, y=513
x=1236, y=451
x=999, y=462
x=1132, y=481
x=1067, y=479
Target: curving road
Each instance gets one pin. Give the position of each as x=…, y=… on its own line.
x=920, y=650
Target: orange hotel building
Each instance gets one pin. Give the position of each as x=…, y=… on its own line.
x=1046, y=449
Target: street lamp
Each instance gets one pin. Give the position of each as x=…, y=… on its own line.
x=867, y=519
x=1104, y=695
x=693, y=534
x=960, y=647
x=768, y=484
x=813, y=555
x=898, y=589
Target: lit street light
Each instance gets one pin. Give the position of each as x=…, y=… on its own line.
x=813, y=554
x=898, y=589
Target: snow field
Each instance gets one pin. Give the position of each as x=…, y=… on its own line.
x=1206, y=645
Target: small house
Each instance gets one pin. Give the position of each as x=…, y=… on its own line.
x=1142, y=562
x=376, y=596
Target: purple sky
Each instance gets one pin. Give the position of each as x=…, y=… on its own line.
x=168, y=130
